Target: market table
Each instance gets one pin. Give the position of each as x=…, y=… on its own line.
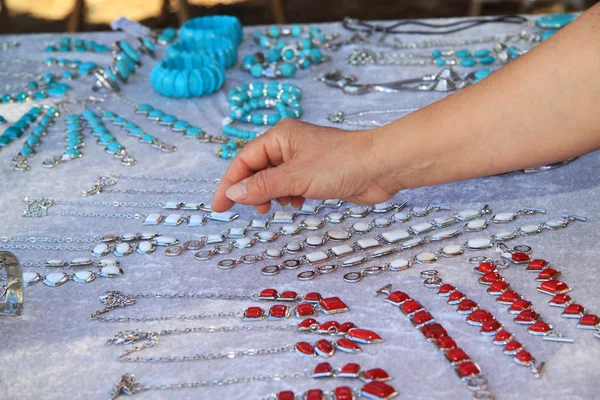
x=53, y=350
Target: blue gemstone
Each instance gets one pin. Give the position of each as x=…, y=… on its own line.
x=7, y=98
x=136, y=132
x=487, y=60
x=436, y=53
x=468, y=62
x=555, y=21
x=181, y=125
x=73, y=143
x=56, y=92
x=482, y=73
x=168, y=119
x=147, y=138
x=193, y=131
x=546, y=34
x=462, y=53
x=33, y=140
x=440, y=62
x=256, y=70
x=155, y=114
x=40, y=95
x=129, y=126
x=296, y=31
x=288, y=70
x=106, y=138
x=13, y=132
x=481, y=53
x=130, y=51
x=5, y=140
x=119, y=121
x=73, y=152
x=26, y=150
x=114, y=147
x=144, y=108
x=39, y=131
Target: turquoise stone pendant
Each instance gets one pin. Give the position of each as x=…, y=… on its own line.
x=554, y=21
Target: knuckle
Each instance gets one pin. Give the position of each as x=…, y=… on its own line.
x=261, y=181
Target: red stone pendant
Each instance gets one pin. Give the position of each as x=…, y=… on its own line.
x=421, y=318
x=478, y=317
x=547, y=274
x=490, y=328
x=378, y=391
x=512, y=347
x=523, y=358
x=397, y=298
x=589, y=321
x=268, y=294
x=485, y=267
x=323, y=370
x=526, y=317
x=502, y=338
x=445, y=290
x=350, y=370
x=348, y=346
x=553, y=287
x=286, y=395
x=489, y=278
x=457, y=356
x=466, y=306
x=278, y=312
x=346, y=326
x=445, y=343
x=331, y=327
x=363, y=336
x=375, y=374
x=288, y=296
x=561, y=300
x=519, y=305
x=305, y=349
x=508, y=297
x=537, y=265
x=520, y=258
x=433, y=331
x=574, y=311
x=305, y=310
x=343, y=393
x=312, y=297
x=467, y=370
x=539, y=328
x=410, y=307
x=253, y=314
x=324, y=348
x=314, y=394
x=307, y=324
x=333, y=305
x=455, y=297
x=498, y=288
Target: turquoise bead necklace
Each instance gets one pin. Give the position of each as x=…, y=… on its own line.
x=21, y=161
x=66, y=44
x=244, y=103
x=105, y=138
x=135, y=131
x=17, y=129
x=283, y=59
x=167, y=36
x=73, y=140
x=176, y=124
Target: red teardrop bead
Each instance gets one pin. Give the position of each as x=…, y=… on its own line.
x=376, y=374
x=588, y=321
x=490, y=278
x=490, y=327
x=502, y=337
x=346, y=326
x=526, y=316
x=508, y=297
x=524, y=357
x=363, y=336
x=478, y=317
x=446, y=289
x=574, y=311
x=323, y=370
x=326, y=326
x=324, y=348
x=539, y=327
x=513, y=346
x=347, y=345
x=561, y=300
x=537, y=265
x=466, y=305
x=498, y=288
x=486, y=267
x=305, y=348
x=305, y=310
x=519, y=306
x=268, y=294
x=350, y=370
x=455, y=297
x=306, y=324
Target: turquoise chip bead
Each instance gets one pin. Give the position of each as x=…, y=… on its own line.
x=33, y=85
x=106, y=138
x=130, y=51
x=468, y=62
x=56, y=92
x=305, y=44
x=114, y=147
x=249, y=61
x=64, y=41
x=73, y=135
x=7, y=98
x=40, y=95
x=21, y=97
x=13, y=132
x=436, y=53
x=50, y=60
x=35, y=111
x=487, y=60
x=88, y=114
x=273, y=55
x=256, y=70
x=281, y=44
x=274, y=31
x=73, y=143
x=288, y=70
x=26, y=150
x=5, y=140
x=257, y=119
x=264, y=42
x=119, y=121
x=462, y=53
x=39, y=131
x=74, y=126
x=481, y=53
x=130, y=125
x=100, y=48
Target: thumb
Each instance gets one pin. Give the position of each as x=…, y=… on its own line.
x=261, y=187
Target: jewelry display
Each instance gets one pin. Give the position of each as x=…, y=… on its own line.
x=342, y=117
x=374, y=389
x=467, y=370
x=66, y=44
x=104, y=184
x=245, y=100
x=39, y=87
x=307, y=306
x=202, y=28
x=221, y=49
x=11, y=287
x=73, y=141
x=547, y=275
x=446, y=80
x=17, y=129
x=21, y=161
x=106, y=139
x=488, y=324
x=107, y=268
x=187, y=77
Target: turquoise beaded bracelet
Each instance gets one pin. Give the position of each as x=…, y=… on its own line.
x=185, y=77
x=214, y=26
x=221, y=49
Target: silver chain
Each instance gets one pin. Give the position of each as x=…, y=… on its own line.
x=45, y=247
x=104, y=184
x=346, y=118
x=34, y=239
x=4, y=46
x=208, y=356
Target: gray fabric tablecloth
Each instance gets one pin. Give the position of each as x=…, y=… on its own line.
x=54, y=351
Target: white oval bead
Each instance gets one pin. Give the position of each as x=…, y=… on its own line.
x=293, y=246
x=145, y=246
x=504, y=235
x=335, y=217
x=289, y=229
x=399, y=263
x=123, y=248
x=452, y=250
x=504, y=217
x=312, y=223
x=445, y=234
x=273, y=253
x=81, y=261
x=361, y=227
x=316, y=256
x=165, y=240
x=108, y=261
x=368, y=243
x=530, y=228
x=242, y=243
x=422, y=227
x=383, y=251
x=129, y=236
x=354, y=260
x=337, y=234
x=31, y=277
x=84, y=275
x=56, y=277
x=111, y=270
x=412, y=242
x=54, y=263
x=482, y=243
x=100, y=249
x=314, y=240
x=401, y=217
x=426, y=257
x=468, y=213
x=476, y=224
x=555, y=224
x=266, y=236
x=147, y=235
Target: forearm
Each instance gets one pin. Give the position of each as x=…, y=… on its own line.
x=540, y=108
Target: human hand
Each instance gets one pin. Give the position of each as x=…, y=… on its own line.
x=296, y=160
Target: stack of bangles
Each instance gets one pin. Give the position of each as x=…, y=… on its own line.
x=245, y=100
x=185, y=77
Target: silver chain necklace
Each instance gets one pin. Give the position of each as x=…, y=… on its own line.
x=104, y=184
x=342, y=117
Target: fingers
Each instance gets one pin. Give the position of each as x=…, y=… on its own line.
x=258, y=154
x=297, y=201
x=260, y=188
x=284, y=201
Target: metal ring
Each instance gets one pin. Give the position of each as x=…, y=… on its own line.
x=353, y=277
x=429, y=273
x=306, y=275
x=223, y=248
x=203, y=255
x=477, y=383
x=326, y=269
x=373, y=270
x=433, y=282
x=290, y=264
x=522, y=248
x=483, y=395
x=477, y=260
x=249, y=258
x=270, y=270
x=227, y=263
x=193, y=245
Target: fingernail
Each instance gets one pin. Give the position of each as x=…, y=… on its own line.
x=237, y=192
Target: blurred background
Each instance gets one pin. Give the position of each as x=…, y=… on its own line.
x=24, y=16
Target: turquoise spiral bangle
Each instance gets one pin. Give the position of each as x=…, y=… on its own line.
x=185, y=77
x=221, y=49
x=214, y=26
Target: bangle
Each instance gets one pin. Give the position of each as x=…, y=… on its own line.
x=185, y=77
x=218, y=25
x=221, y=49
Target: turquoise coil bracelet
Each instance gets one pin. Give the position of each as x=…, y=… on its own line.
x=214, y=26
x=185, y=77
x=221, y=49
